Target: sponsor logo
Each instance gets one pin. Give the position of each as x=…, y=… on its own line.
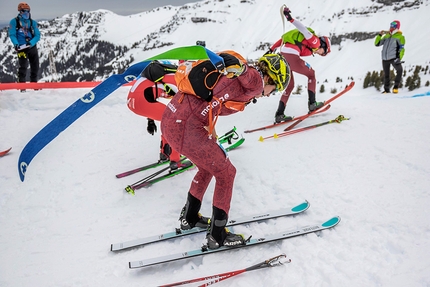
x=171, y=107
x=233, y=243
x=130, y=78
x=310, y=228
x=290, y=233
x=88, y=98
x=214, y=104
x=261, y=216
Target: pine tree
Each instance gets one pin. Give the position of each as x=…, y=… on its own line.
x=366, y=82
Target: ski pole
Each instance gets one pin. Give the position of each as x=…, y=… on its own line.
x=272, y=262
x=339, y=119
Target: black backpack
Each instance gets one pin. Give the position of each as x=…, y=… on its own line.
x=155, y=72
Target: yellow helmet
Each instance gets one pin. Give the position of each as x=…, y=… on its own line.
x=278, y=69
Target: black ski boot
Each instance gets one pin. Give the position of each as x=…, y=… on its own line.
x=218, y=235
x=312, y=103
x=279, y=116
x=190, y=216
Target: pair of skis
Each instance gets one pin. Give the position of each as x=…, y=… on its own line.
x=232, y=222
x=297, y=120
x=231, y=139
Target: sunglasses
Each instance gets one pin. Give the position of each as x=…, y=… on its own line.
x=25, y=11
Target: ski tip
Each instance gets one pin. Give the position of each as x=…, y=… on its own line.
x=5, y=152
x=130, y=190
x=331, y=222
x=261, y=139
x=301, y=207
x=275, y=136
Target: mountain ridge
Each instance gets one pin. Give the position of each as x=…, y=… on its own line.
x=90, y=46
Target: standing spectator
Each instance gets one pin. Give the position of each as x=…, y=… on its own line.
x=24, y=35
x=300, y=42
x=393, y=49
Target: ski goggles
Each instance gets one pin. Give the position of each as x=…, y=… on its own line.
x=25, y=11
x=393, y=25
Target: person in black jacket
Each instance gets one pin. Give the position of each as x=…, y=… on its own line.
x=24, y=35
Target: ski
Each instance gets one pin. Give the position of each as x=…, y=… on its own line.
x=232, y=222
x=5, y=152
x=327, y=102
x=271, y=262
x=250, y=242
x=323, y=109
x=142, y=168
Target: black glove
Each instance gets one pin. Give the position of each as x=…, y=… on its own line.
x=287, y=13
x=397, y=61
x=16, y=47
x=152, y=127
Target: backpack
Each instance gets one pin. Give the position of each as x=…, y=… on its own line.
x=296, y=37
x=155, y=71
x=18, y=25
x=199, y=78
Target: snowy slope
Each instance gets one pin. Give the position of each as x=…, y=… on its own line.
x=57, y=226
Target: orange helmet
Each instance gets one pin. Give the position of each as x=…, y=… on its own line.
x=23, y=5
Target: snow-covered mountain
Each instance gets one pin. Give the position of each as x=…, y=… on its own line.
x=94, y=45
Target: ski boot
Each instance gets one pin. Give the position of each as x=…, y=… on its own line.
x=282, y=118
x=218, y=235
x=315, y=106
x=190, y=216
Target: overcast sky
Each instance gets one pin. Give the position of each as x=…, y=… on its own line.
x=49, y=9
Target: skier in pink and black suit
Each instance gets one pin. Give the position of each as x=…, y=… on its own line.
x=300, y=42
x=185, y=126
